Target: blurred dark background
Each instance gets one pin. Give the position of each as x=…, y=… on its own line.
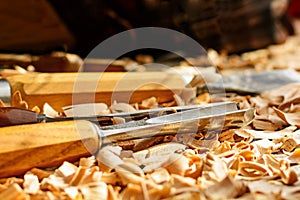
x=78, y=26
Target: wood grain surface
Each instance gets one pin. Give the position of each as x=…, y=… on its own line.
x=13, y=116
x=45, y=145
x=63, y=89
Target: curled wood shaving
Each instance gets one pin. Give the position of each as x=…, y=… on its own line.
x=203, y=98
x=130, y=173
x=2, y=104
x=119, y=120
x=11, y=180
x=132, y=191
x=289, y=144
x=278, y=106
x=214, y=169
x=272, y=163
x=31, y=184
x=112, y=193
x=265, y=146
x=289, y=118
x=253, y=169
x=160, y=175
x=36, y=109
x=226, y=189
x=72, y=192
x=66, y=170
x=18, y=102
x=159, y=191
x=13, y=192
x=288, y=175
x=49, y=111
x=87, y=162
x=187, y=195
x=79, y=175
x=131, y=168
x=264, y=188
x=247, y=155
x=149, y=103
x=179, y=181
x=225, y=146
x=110, y=178
x=177, y=164
x=235, y=135
x=159, y=155
x=195, y=164
x=210, y=141
x=121, y=107
x=87, y=109
x=275, y=109
x=295, y=156
x=109, y=157
x=97, y=190
x=147, y=142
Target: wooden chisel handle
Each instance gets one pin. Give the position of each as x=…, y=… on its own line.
x=14, y=116
x=45, y=145
x=10, y=116
x=64, y=89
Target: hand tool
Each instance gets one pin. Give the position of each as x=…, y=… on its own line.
x=63, y=89
x=255, y=82
x=16, y=116
x=23, y=147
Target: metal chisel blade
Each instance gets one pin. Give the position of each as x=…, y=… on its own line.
x=216, y=120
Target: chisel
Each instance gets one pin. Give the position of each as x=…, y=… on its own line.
x=64, y=89
x=23, y=147
x=16, y=116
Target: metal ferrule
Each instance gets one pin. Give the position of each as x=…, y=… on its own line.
x=5, y=91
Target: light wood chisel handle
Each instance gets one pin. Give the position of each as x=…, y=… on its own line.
x=45, y=145
x=64, y=89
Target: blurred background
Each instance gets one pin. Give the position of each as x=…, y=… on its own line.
x=40, y=27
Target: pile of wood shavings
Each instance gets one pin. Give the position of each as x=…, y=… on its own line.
x=236, y=164
x=246, y=164
x=277, y=56
x=275, y=109
x=258, y=162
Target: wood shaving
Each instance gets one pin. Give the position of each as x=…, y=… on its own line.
x=18, y=102
x=36, y=109
x=260, y=161
x=149, y=103
x=14, y=192
x=277, y=56
x=275, y=109
x=81, y=110
x=118, y=120
x=2, y=104
x=40, y=173
x=121, y=107
x=160, y=175
x=232, y=170
x=31, y=184
x=238, y=166
x=226, y=189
